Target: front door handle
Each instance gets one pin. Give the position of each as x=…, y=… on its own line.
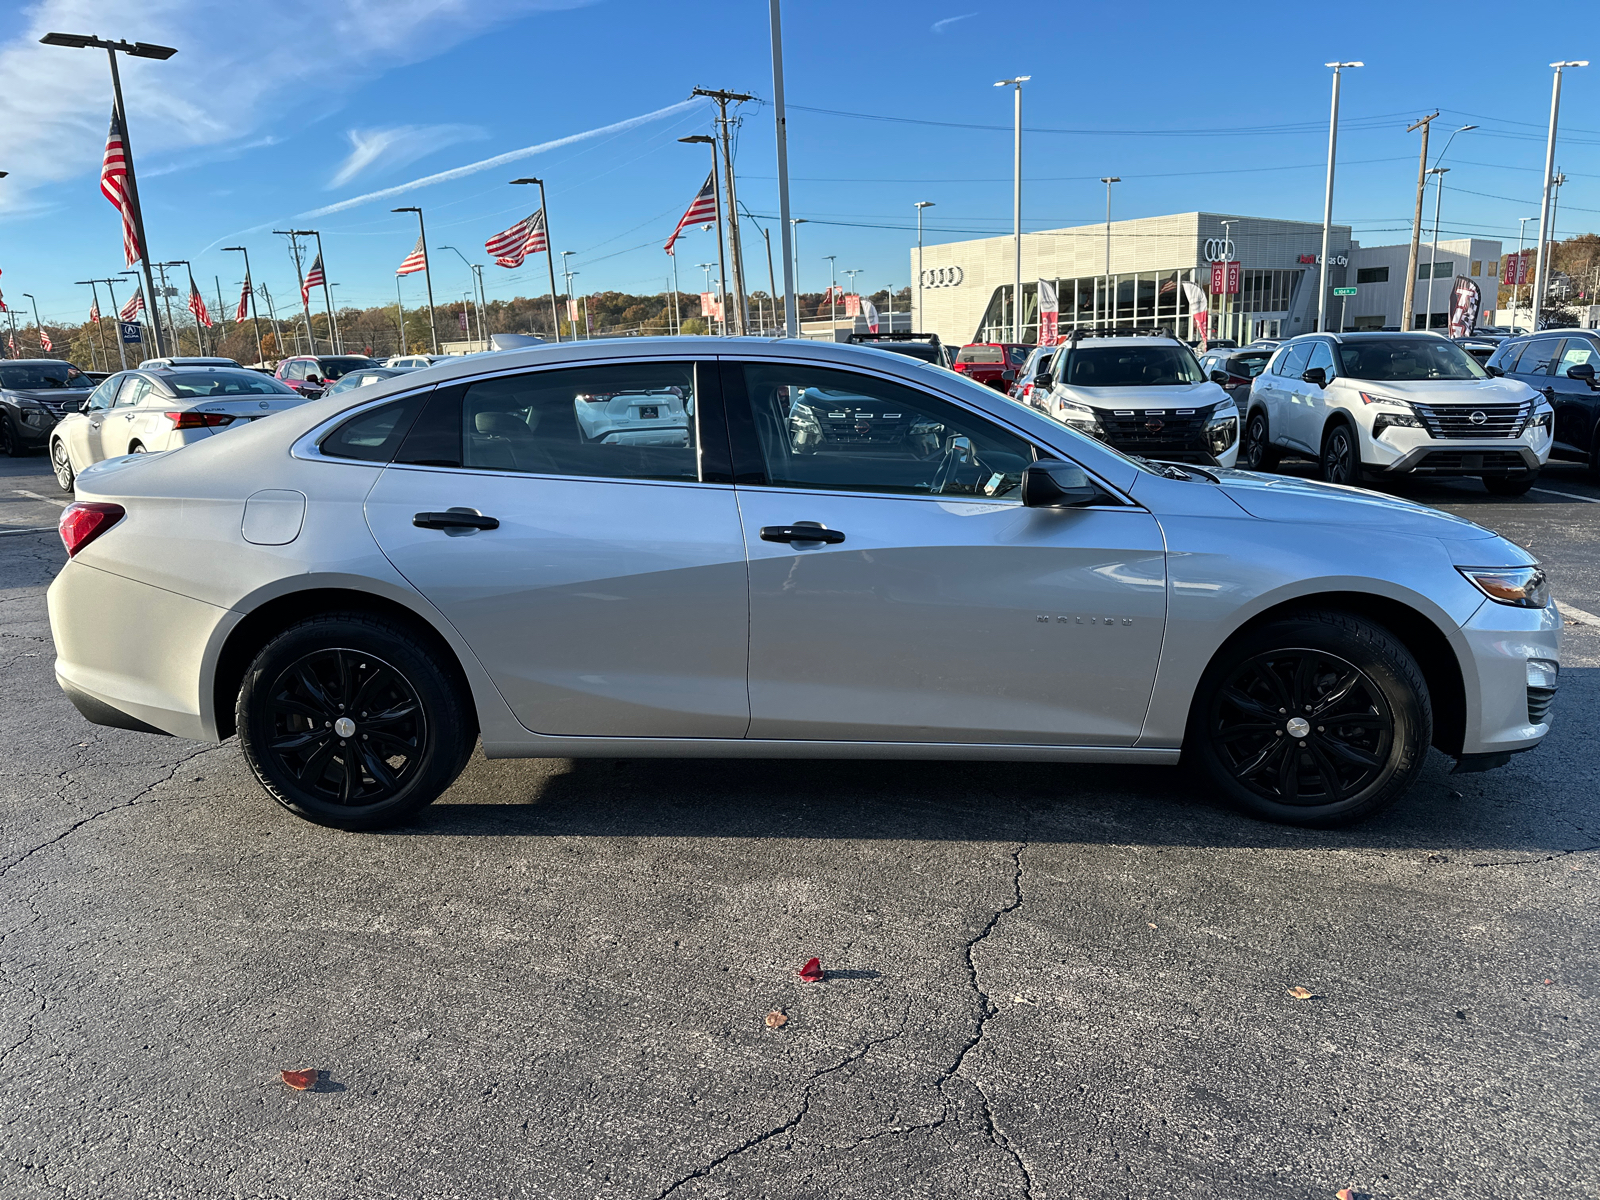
x=94, y=424
x=455, y=518
x=801, y=531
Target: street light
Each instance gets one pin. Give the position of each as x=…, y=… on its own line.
x=794, y=231
x=1111, y=300
x=82, y=41
x=549, y=251
x=1327, y=195
x=716, y=192
x=38, y=325
x=1438, y=173
x=1540, y=266
x=833, y=286
x=920, y=205
x=1016, y=200
x=478, y=284
x=255, y=321
x=427, y=273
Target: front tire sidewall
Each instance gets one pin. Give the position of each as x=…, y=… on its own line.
x=1364, y=645
x=447, y=743
x=1343, y=468
x=61, y=461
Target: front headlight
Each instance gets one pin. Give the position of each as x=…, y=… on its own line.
x=1082, y=418
x=1544, y=418
x=1222, y=429
x=1520, y=587
x=1394, y=420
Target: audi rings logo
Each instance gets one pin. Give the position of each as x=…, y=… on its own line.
x=1219, y=250
x=1477, y=418
x=943, y=277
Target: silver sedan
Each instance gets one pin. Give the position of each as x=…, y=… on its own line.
x=844, y=553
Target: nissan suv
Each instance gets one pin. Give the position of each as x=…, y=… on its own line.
x=1385, y=405
x=1144, y=393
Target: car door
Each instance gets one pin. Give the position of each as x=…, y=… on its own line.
x=1308, y=411
x=931, y=606
x=81, y=432
x=117, y=429
x=1278, y=392
x=1576, y=402
x=599, y=578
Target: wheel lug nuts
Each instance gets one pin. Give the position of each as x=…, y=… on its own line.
x=1302, y=743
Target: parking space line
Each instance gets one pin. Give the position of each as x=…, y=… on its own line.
x=37, y=529
x=1572, y=613
x=1565, y=495
x=44, y=499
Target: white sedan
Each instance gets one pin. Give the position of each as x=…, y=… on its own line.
x=161, y=408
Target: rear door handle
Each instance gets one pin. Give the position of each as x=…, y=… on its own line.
x=455, y=518
x=801, y=531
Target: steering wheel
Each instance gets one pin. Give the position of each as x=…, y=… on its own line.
x=957, y=450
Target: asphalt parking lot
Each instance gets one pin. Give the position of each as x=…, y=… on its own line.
x=1042, y=983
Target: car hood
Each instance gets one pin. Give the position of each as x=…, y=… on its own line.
x=1276, y=498
x=1445, y=391
x=53, y=397
x=1169, y=395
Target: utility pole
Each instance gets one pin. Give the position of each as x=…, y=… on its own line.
x=1111, y=299
x=99, y=326
x=166, y=302
x=735, y=252
x=427, y=271
x=1327, y=196
x=335, y=342
x=122, y=353
x=249, y=284
x=1410, y=301
x=791, y=301
x=1016, y=203
x=300, y=278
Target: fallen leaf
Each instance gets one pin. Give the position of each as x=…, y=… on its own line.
x=1152, y=924
x=1299, y=993
x=1343, y=1194
x=812, y=971
x=1547, y=983
x=301, y=1080
x=776, y=1019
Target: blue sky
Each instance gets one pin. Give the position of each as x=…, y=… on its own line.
x=281, y=108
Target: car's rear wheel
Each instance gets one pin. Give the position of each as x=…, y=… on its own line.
x=1509, y=485
x=348, y=721
x=1256, y=452
x=1341, y=460
x=61, y=463
x=1321, y=720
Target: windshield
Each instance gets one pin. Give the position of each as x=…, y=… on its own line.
x=1130, y=366
x=1398, y=359
x=41, y=376
x=333, y=368
x=223, y=382
x=980, y=354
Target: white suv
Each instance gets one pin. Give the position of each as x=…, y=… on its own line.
x=1144, y=394
x=1382, y=405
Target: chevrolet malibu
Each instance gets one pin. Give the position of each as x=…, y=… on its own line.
x=364, y=587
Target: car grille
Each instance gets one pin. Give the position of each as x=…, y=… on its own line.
x=1174, y=433
x=54, y=407
x=1539, y=701
x=1446, y=462
x=1456, y=420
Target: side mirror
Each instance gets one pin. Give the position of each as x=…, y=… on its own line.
x=1219, y=377
x=1008, y=374
x=1315, y=376
x=1050, y=483
x=1493, y=372
x=313, y=377
x=1044, y=380
x=1581, y=371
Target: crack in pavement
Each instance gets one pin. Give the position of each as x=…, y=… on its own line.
x=1543, y=858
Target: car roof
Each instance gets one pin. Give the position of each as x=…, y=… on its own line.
x=1124, y=341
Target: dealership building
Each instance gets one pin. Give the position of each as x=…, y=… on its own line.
x=1260, y=275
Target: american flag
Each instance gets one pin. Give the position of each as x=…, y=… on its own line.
x=134, y=306
x=244, y=302
x=45, y=343
x=314, y=279
x=114, y=187
x=416, y=261
x=526, y=237
x=702, y=208
x=94, y=311
x=197, y=306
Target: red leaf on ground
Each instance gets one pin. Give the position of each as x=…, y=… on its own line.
x=301, y=1080
x=812, y=971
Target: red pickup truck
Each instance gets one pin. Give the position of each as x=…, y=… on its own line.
x=994, y=364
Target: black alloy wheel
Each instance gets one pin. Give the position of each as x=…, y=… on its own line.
x=61, y=463
x=1317, y=720
x=10, y=445
x=1341, y=462
x=1256, y=452
x=350, y=722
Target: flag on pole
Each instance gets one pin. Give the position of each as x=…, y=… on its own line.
x=416, y=261
x=244, y=301
x=852, y=304
x=197, y=306
x=11, y=340
x=702, y=208
x=1199, y=317
x=526, y=237
x=94, y=311
x=870, y=311
x=45, y=343
x=134, y=306
x=1049, y=312
x=314, y=279
x=114, y=187
x=572, y=312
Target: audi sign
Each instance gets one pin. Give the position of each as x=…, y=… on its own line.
x=943, y=277
x=1218, y=250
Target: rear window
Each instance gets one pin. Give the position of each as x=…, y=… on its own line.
x=191, y=383
x=1249, y=365
x=980, y=354
x=333, y=368
x=374, y=435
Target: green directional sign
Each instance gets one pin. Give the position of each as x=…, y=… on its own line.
x=1344, y=291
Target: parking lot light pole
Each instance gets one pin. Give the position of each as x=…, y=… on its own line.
x=1111, y=306
x=1327, y=195
x=833, y=287
x=1516, y=286
x=38, y=325
x=1540, y=265
x=716, y=192
x=549, y=252
x=1016, y=201
x=918, y=320
x=99, y=326
x=780, y=118
x=255, y=320
x=794, y=230
x=80, y=41
x=1438, y=174
x=427, y=271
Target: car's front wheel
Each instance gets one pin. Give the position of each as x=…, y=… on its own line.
x=10, y=444
x=1320, y=719
x=61, y=463
x=1256, y=451
x=1341, y=459
x=1509, y=485
x=349, y=721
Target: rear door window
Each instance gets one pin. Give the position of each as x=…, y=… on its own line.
x=1539, y=356
x=1575, y=353
x=1293, y=362
x=374, y=435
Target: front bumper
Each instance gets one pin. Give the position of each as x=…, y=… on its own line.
x=31, y=427
x=1505, y=715
x=1401, y=451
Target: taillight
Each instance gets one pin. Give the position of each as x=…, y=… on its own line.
x=1238, y=380
x=83, y=521
x=196, y=420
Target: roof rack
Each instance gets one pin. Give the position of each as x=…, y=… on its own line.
x=1110, y=331
x=931, y=338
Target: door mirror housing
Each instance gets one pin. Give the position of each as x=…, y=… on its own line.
x=1051, y=483
x=1008, y=375
x=1219, y=377
x=1493, y=372
x=313, y=377
x=1581, y=371
x=1044, y=380
x=1316, y=376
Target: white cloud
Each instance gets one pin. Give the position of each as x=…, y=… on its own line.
x=398, y=146
x=941, y=26
x=238, y=67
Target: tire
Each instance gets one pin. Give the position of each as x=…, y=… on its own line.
x=61, y=462
x=1256, y=451
x=1509, y=485
x=10, y=445
x=1341, y=456
x=328, y=668
x=136, y=448
x=1594, y=455
x=1327, y=664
